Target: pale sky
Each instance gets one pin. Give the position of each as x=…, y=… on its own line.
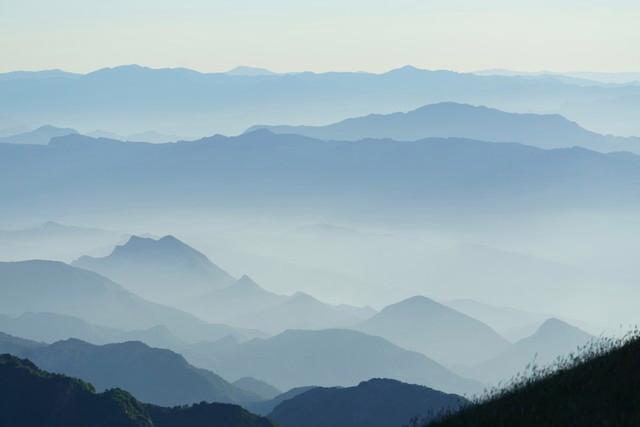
x=321, y=35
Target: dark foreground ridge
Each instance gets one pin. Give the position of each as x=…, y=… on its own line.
x=32, y=397
x=599, y=388
x=374, y=403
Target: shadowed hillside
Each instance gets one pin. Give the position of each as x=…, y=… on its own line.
x=598, y=388
x=30, y=397
x=152, y=375
x=373, y=403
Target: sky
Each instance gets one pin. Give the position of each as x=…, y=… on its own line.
x=321, y=35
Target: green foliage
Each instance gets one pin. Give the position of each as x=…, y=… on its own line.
x=31, y=397
x=598, y=385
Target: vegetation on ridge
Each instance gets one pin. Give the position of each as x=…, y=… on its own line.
x=598, y=385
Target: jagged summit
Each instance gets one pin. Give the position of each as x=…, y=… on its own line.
x=246, y=283
x=165, y=270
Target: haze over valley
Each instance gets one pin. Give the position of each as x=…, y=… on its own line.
x=319, y=214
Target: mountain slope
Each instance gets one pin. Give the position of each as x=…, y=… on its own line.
x=260, y=388
x=300, y=311
x=448, y=336
x=554, y=338
x=50, y=327
x=331, y=357
x=152, y=375
x=504, y=320
x=450, y=119
x=31, y=397
x=15, y=345
x=599, y=390
x=47, y=286
x=243, y=298
x=164, y=270
x=246, y=304
x=205, y=414
x=266, y=406
x=39, y=136
x=373, y=403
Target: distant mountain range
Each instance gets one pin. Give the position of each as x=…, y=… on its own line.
x=245, y=304
x=553, y=339
x=331, y=357
x=32, y=397
x=513, y=324
x=47, y=286
x=440, y=332
x=505, y=320
x=147, y=136
x=133, y=97
x=449, y=119
x=164, y=270
x=302, y=311
x=52, y=240
x=586, y=78
x=152, y=375
x=373, y=403
x=39, y=136
x=50, y=327
x=372, y=177
x=43, y=135
x=169, y=271
x=240, y=300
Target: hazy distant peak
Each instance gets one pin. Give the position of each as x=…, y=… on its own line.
x=419, y=305
x=52, y=225
x=38, y=136
x=303, y=297
x=416, y=301
x=246, y=282
x=120, y=69
x=554, y=327
x=244, y=70
x=466, y=121
x=406, y=69
x=168, y=245
x=43, y=74
x=51, y=128
x=170, y=239
x=260, y=132
x=139, y=241
x=164, y=270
